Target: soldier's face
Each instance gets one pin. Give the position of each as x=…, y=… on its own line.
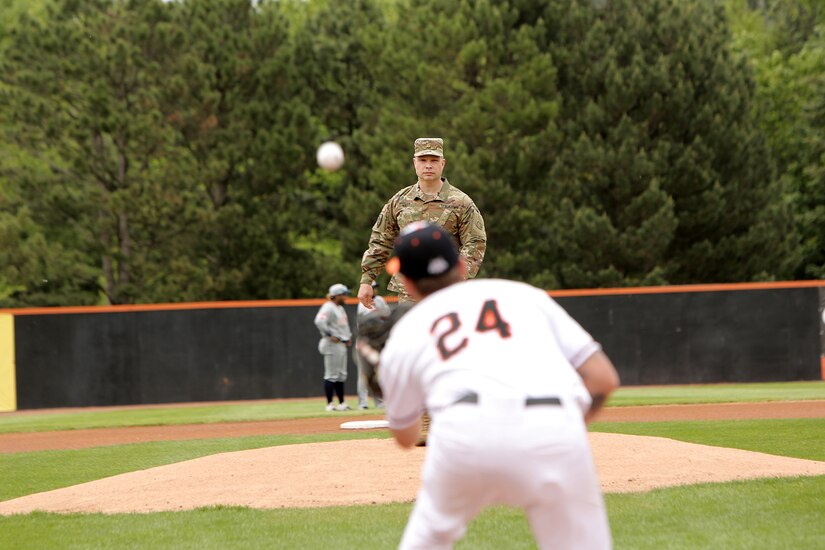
x=429, y=167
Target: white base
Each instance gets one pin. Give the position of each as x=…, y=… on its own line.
x=365, y=424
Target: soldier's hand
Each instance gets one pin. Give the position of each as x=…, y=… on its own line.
x=365, y=295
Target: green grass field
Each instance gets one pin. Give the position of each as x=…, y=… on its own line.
x=768, y=513
x=160, y=415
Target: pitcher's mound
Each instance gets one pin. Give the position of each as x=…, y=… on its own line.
x=378, y=471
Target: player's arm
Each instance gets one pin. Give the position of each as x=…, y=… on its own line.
x=472, y=239
x=404, y=398
x=409, y=436
x=585, y=354
x=322, y=323
x=600, y=378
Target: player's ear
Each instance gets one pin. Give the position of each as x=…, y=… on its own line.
x=462, y=267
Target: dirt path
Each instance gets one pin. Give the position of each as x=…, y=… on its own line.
x=376, y=470
x=81, y=439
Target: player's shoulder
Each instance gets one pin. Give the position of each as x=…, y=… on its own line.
x=471, y=290
x=506, y=292
x=329, y=305
x=508, y=285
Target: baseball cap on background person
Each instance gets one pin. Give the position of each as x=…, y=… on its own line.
x=338, y=290
x=423, y=250
x=429, y=146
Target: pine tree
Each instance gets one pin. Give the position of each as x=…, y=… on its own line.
x=339, y=49
x=82, y=92
x=811, y=196
x=471, y=73
x=235, y=102
x=780, y=42
x=666, y=178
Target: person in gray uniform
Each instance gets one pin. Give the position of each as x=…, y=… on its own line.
x=336, y=336
x=382, y=310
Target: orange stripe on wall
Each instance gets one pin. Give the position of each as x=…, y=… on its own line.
x=822, y=366
x=166, y=307
x=319, y=301
x=721, y=287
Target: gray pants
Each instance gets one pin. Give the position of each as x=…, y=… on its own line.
x=364, y=392
x=335, y=360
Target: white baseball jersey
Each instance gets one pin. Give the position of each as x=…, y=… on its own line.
x=380, y=307
x=504, y=341
x=331, y=320
x=492, y=337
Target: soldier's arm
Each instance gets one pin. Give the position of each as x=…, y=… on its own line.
x=380, y=246
x=472, y=239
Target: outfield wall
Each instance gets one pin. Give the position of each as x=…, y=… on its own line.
x=707, y=336
x=99, y=356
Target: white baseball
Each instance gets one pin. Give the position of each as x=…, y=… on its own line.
x=330, y=156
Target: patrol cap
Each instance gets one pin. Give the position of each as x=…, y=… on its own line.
x=424, y=250
x=338, y=290
x=429, y=146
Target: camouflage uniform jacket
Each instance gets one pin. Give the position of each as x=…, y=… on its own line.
x=451, y=208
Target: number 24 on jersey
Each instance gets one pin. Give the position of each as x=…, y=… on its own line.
x=489, y=319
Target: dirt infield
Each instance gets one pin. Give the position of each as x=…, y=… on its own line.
x=375, y=471
x=333, y=473
x=99, y=437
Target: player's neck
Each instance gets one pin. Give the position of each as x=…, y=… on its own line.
x=430, y=187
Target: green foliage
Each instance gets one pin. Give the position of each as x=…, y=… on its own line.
x=37, y=272
x=784, y=43
x=473, y=73
x=13, y=10
x=84, y=97
x=811, y=193
x=234, y=102
x=665, y=178
x=339, y=50
x=164, y=151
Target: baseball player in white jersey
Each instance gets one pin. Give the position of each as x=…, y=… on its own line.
x=336, y=335
x=380, y=309
x=510, y=380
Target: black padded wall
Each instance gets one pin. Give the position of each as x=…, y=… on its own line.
x=163, y=356
x=706, y=337
x=169, y=356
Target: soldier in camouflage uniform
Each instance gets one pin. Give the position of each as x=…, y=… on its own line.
x=433, y=199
